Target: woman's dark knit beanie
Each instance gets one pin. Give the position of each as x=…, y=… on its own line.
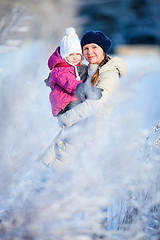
x=97, y=37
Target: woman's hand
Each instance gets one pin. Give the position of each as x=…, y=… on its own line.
x=80, y=91
x=94, y=93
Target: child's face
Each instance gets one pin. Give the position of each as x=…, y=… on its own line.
x=74, y=58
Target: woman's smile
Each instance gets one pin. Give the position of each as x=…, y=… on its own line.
x=93, y=53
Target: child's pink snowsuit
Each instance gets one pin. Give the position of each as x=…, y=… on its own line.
x=62, y=81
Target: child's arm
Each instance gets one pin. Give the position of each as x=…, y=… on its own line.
x=67, y=81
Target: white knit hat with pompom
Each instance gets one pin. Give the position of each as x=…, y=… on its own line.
x=70, y=43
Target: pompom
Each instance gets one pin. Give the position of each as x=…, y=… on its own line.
x=70, y=31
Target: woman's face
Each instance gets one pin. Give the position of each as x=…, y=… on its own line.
x=93, y=53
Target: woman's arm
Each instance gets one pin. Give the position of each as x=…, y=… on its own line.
x=109, y=82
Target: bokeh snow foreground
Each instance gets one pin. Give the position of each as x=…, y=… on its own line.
x=108, y=187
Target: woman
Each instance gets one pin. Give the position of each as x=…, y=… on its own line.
x=104, y=73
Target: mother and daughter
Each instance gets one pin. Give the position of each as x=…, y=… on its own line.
x=78, y=92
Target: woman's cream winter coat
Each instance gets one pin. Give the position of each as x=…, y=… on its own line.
x=109, y=82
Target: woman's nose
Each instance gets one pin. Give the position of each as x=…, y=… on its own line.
x=89, y=51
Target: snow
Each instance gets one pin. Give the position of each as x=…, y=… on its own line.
x=103, y=180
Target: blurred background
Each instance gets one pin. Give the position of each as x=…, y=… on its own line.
x=127, y=22
x=70, y=203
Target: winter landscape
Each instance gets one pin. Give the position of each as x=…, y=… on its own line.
x=109, y=190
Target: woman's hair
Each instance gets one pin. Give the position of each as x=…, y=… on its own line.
x=95, y=78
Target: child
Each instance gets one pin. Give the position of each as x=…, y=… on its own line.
x=64, y=77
